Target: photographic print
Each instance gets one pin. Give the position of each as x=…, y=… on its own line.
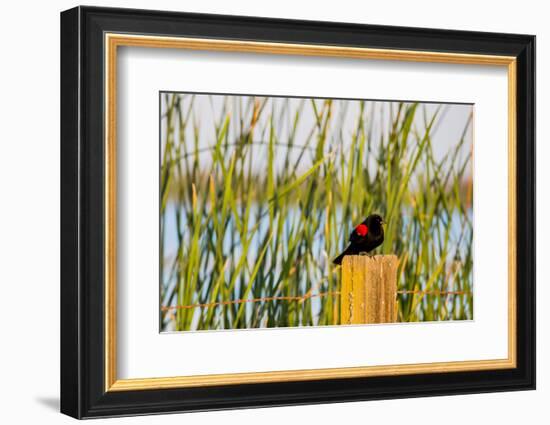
x=332, y=214
x=286, y=211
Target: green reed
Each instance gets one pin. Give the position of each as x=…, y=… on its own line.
x=241, y=231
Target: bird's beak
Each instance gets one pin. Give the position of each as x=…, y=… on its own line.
x=383, y=223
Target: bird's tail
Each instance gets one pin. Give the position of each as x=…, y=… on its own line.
x=338, y=260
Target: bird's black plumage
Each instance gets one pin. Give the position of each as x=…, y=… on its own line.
x=364, y=238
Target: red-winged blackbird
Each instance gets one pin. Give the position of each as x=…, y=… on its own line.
x=364, y=238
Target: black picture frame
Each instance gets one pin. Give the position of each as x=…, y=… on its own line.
x=83, y=392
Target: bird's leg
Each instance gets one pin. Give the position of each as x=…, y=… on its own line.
x=368, y=254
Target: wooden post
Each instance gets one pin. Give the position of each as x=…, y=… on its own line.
x=369, y=289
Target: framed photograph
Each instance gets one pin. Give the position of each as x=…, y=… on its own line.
x=261, y=212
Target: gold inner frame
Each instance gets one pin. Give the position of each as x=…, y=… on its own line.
x=113, y=41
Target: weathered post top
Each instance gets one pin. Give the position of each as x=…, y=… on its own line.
x=369, y=289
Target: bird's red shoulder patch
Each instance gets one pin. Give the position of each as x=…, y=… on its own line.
x=362, y=229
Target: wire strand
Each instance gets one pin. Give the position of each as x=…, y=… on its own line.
x=302, y=298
